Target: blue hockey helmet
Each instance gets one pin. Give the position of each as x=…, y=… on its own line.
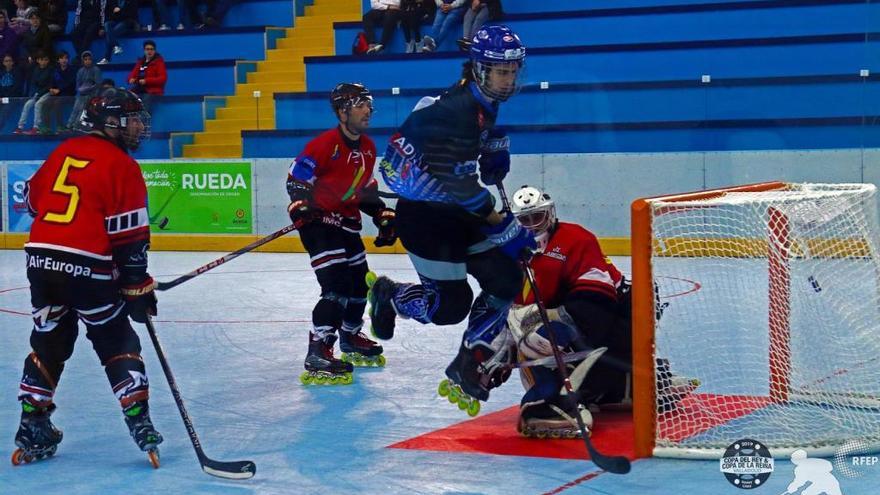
x=496, y=47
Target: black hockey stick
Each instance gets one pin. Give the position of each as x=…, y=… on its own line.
x=223, y=259
x=612, y=464
x=237, y=470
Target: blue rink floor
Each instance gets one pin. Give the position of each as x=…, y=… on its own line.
x=235, y=339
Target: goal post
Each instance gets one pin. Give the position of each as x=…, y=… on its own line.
x=772, y=293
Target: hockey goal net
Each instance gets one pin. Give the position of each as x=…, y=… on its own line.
x=770, y=299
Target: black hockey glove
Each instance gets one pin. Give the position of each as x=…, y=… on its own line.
x=384, y=221
x=140, y=299
x=495, y=157
x=300, y=209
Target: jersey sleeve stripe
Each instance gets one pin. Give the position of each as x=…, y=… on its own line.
x=124, y=222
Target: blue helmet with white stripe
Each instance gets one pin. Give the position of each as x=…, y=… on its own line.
x=497, y=56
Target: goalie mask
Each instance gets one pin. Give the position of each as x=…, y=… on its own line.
x=535, y=211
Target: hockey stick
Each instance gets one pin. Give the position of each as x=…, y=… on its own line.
x=236, y=470
x=550, y=361
x=223, y=259
x=612, y=464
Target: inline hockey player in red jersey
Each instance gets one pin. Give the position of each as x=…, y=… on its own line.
x=589, y=306
x=330, y=183
x=87, y=261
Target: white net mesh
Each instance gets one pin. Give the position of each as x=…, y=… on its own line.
x=773, y=306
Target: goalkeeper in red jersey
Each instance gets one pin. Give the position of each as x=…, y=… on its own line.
x=330, y=183
x=87, y=262
x=589, y=304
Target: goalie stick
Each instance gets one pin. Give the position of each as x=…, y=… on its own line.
x=612, y=464
x=550, y=361
x=236, y=470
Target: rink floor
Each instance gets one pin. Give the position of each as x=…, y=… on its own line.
x=235, y=339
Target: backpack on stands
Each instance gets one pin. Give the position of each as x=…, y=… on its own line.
x=360, y=45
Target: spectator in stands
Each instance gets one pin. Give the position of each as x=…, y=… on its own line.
x=413, y=12
x=448, y=15
x=148, y=77
x=160, y=15
x=218, y=11
x=54, y=13
x=479, y=12
x=19, y=21
x=38, y=89
x=386, y=12
x=62, y=88
x=8, y=37
x=121, y=20
x=87, y=78
x=188, y=15
x=37, y=39
x=88, y=24
x=11, y=85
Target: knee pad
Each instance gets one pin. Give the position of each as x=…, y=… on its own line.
x=53, y=342
x=39, y=380
x=114, y=338
x=128, y=378
x=453, y=302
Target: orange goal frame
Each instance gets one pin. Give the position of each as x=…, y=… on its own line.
x=643, y=310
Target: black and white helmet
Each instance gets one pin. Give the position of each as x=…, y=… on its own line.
x=117, y=108
x=347, y=95
x=535, y=211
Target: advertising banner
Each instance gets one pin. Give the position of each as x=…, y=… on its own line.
x=200, y=197
x=16, y=210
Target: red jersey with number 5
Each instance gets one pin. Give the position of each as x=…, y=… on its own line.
x=337, y=172
x=572, y=261
x=89, y=197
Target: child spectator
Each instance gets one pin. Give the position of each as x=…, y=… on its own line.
x=8, y=37
x=87, y=78
x=19, y=21
x=62, y=88
x=11, y=85
x=448, y=15
x=54, y=14
x=148, y=77
x=37, y=39
x=38, y=90
x=386, y=12
x=122, y=19
x=88, y=24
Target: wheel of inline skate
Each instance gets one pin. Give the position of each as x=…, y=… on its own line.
x=463, y=403
x=19, y=457
x=555, y=435
x=349, y=379
x=305, y=378
x=153, y=455
x=453, y=395
x=443, y=388
x=380, y=361
x=345, y=358
x=370, y=279
x=473, y=408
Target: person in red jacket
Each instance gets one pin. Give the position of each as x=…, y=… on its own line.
x=148, y=77
x=87, y=262
x=330, y=183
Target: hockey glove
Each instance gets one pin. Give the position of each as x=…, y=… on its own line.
x=140, y=299
x=495, y=158
x=301, y=213
x=511, y=237
x=384, y=221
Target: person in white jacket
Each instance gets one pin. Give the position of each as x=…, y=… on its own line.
x=385, y=12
